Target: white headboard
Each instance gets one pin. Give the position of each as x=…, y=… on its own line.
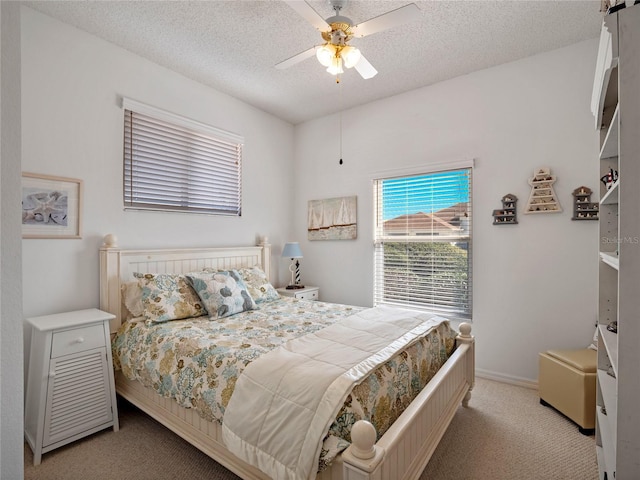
x=117, y=266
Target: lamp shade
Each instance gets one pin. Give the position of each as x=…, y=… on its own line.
x=336, y=66
x=325, y=53
x=291, y=250
x=351, y=56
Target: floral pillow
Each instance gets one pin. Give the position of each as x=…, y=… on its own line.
x=258, y=284
x=168, y=297
x=222, y=293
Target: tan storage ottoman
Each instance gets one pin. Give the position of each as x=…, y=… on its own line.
x=567, y=382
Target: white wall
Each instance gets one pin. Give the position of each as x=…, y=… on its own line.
x=73, y=127
x=11, y=425
x=534, y=283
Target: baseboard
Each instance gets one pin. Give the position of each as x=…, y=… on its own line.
x=510, y=379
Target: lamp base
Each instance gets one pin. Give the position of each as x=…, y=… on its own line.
x=294, y=287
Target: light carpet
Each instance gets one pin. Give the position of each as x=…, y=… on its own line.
x=505, y=434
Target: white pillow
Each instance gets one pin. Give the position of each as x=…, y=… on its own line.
x=132, y=298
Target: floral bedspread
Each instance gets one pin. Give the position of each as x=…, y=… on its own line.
x=197, y=362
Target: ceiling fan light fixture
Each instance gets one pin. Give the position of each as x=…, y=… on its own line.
x=326, y=54
x=336, y=66
x=350, y=55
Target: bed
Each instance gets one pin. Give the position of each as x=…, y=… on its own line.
x=401, y=452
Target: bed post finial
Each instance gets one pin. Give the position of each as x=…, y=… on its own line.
x=110, y=241
x=362, y=457
x=363, y=438
x=465, y=330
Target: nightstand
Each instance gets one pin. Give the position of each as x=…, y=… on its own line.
x=306, y=293
x=70, y=387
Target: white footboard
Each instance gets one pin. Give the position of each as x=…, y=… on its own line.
x=405, y=449
x=401, y=453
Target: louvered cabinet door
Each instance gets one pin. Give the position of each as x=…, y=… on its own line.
x=78, y=396
x=70, y=386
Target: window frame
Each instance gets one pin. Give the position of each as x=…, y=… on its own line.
x=380, y=292
x=209, y=155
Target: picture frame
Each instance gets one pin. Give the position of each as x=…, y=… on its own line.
x=51, y=206
x=332, y=219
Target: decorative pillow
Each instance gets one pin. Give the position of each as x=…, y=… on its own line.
x=222, y=293
x=258, y=284
x=213, y=270
x=132, y=298
x=168, y=297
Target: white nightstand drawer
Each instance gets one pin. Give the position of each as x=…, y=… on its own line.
x=308, y=295
x=304, y=293
x=76, y=340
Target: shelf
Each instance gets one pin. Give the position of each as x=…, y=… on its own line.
x=607, y=61
x=608, y=443
x=611, y=197
x=609, y=390
x=610, y=259
x=600, y=457
x=610, y=341
x=610, y=144
x=550, y=210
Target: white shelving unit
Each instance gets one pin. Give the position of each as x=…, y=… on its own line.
x=616, y=107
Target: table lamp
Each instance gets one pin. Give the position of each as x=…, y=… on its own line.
x=292, y=250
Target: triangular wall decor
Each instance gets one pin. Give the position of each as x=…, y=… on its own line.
x=543, y=198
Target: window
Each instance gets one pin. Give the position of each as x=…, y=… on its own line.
x=176, y=164
x=423, y=242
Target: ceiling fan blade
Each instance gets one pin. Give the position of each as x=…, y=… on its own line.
x=309, y=14
x=296, y=58
x=365, y=69
x=387, y=20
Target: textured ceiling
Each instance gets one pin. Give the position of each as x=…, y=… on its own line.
x=233, y=46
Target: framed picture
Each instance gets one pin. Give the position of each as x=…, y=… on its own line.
x=51, y=206
x=332, y=219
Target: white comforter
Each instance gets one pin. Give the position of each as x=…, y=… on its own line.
x=284, y=402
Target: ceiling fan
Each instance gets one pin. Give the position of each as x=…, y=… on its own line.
x=338, y=30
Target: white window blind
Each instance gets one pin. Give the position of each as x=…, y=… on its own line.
x=173, y=163
x=423, y=254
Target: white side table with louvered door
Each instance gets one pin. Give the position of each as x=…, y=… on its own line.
x=70, y=387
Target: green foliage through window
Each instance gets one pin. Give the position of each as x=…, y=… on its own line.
x=423, y=249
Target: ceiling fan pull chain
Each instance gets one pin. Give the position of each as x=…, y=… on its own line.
x=340, y=122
